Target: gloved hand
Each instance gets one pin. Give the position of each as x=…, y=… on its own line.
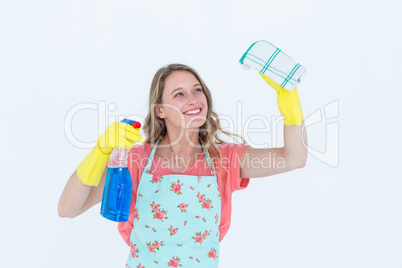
x=118, y=134
x=288, y=103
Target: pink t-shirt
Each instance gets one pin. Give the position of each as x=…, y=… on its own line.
x=231, y=181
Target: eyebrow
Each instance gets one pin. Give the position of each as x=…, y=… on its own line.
x=182, y=88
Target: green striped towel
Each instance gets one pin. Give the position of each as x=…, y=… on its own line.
x=272, y=62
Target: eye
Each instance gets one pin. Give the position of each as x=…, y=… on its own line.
x=199, y=89
x=177, y=94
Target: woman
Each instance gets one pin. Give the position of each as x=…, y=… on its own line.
x=183, y=174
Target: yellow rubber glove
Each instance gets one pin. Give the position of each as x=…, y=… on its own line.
x=288, y=103
x=90, y=170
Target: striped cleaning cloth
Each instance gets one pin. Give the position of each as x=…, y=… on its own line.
x=272, y=62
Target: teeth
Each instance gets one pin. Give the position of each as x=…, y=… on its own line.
x=193, y=111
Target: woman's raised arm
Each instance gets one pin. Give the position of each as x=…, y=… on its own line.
x=257, y=163
x=265, y=162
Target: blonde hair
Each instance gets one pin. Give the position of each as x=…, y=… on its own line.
x=155, y=128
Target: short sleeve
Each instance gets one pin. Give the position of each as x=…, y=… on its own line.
x=231, y=156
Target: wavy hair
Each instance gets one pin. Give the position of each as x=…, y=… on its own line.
x=155, y=128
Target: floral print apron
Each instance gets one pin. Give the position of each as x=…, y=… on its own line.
x=176, y=220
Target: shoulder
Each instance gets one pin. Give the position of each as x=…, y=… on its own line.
x=137, y=159
x=231, y=145
x=139, y=150
x=229, y=148
x=231, y=153
x=141, y=147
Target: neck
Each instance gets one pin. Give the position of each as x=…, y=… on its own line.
x=185, y=145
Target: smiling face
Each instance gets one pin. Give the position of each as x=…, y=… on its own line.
x=184, y=104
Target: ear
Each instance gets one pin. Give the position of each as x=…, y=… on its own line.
x=159, y=112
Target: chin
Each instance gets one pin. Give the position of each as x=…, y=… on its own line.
x=197, y=123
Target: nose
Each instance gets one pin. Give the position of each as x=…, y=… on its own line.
x=191, y=99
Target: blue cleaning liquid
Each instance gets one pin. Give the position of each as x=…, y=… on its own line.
x=117, y=194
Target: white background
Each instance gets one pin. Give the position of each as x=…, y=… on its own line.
x=57, y=54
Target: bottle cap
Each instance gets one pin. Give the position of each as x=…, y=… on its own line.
x=135, y=124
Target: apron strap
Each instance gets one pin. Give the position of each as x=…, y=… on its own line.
x=206, y=156
x=151, y=157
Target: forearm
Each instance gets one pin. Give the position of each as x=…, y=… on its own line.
x=295, y=145
x=78, y=197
